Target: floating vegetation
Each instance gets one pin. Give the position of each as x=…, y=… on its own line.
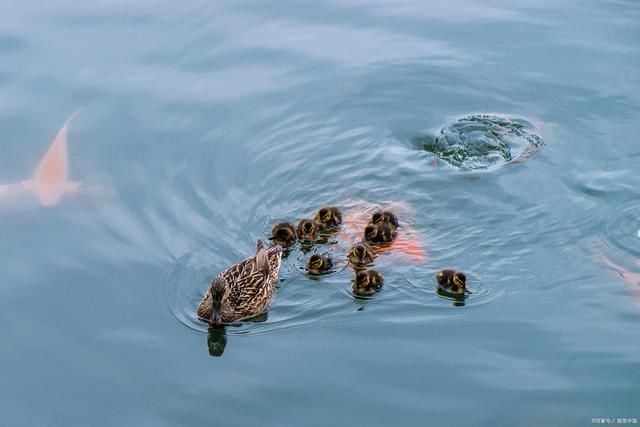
x=481, y=141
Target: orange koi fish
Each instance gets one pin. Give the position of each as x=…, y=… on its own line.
x=628, y=276
x=406, y=243
x=50, y=180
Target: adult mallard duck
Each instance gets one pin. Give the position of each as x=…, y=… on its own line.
x=307, y=230
x=360, y=255
x=329, y=216
x=367, y=282
x=452, y=281
x=283, y=234
x=385, y=217
x=379, y=233
x=244, y=289
x=319, y=264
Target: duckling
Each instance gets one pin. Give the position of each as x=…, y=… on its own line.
x=379, y=233
x=307, y=230
x=367, y=282
x=244, y=289
x=360, y=255
x=329, y=216
x=452, y=281
x=319, y=264
x=283, y=234
x=386, y=217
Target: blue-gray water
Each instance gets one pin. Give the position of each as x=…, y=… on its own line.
x=203, y=123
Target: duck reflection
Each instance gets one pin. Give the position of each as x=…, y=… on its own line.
x=457, y=298
x=216, y=340
x=217, y=335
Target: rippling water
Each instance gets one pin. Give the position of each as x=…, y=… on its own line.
x=201, y=125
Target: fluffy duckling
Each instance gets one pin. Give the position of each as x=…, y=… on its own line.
x=360, y=255
x=329, y=216
x=307, y=230
x=452, y=281
x=385, y=217
x=367, y=282
x=379, y=233
x=319, y=264
x=283, y=234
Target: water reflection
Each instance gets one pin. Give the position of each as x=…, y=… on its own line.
x=217, y=335
x=216, y=340
x=457, y=298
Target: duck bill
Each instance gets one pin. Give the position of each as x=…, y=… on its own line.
x=216, y=317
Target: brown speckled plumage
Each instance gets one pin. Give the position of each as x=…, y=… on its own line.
x=385, y=217
x=329, y=216
x=360, y=255
x=452, y=281
x=307, y=229
x=319, y=264
x=248, y=286
x=379, y=233
x=367, y=282
x=283, y=234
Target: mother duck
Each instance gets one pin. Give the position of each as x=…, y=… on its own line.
x=243, y=290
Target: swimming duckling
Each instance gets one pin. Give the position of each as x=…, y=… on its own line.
x=244, y=289
x=367, y=282
x=452, y=281
x=329, y=216
x=385, y=217
x=307, y=230
x=360, y=255
x=319, y=264
x=283, y=234
x=379, y=233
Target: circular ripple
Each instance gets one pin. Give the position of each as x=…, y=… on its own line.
x=482, y=141
x=409, y=293
x=481, y=290
x=186, y=281
x=623, y=230
x=300, y=299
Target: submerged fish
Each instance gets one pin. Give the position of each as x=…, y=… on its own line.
x=628, y=276
x=406, y=243
x=50, y=180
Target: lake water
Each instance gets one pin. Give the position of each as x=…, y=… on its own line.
x=201, y=124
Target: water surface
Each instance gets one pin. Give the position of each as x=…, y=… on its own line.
x=204, y=124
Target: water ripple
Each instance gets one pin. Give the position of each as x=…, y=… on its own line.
x=623, y=229
x=482, y=141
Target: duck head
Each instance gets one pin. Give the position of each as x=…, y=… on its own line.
x=218, y=291
x=283, y=234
